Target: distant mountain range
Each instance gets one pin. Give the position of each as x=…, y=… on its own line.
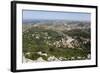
x=54, y=21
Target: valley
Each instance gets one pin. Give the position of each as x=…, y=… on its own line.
x=59, y=40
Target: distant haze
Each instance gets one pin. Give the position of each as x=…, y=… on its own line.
x=54, y=15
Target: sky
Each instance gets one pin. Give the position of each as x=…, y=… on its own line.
x=53, y=15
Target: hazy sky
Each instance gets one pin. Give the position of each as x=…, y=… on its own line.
x=51, y=15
